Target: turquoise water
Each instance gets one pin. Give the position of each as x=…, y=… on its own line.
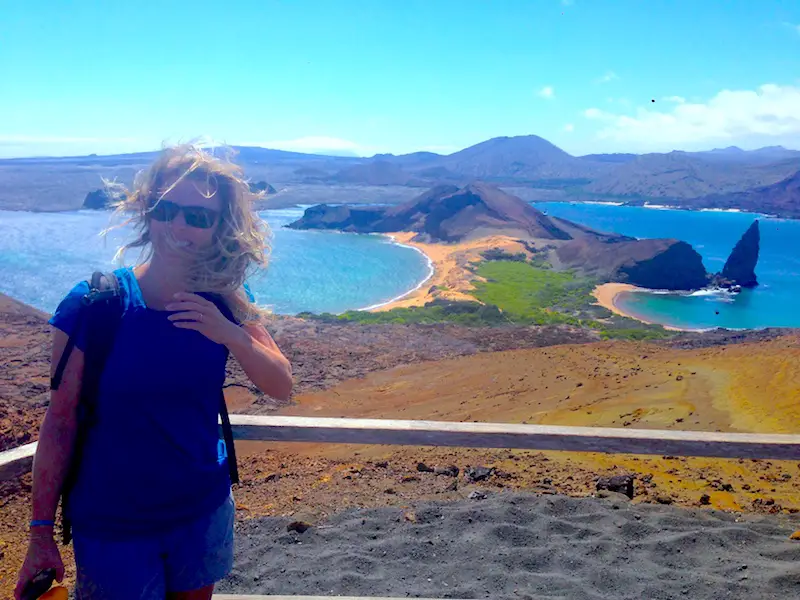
x=774, y=303
x=42, y=255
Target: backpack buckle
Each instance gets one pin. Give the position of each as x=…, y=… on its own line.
x=98, y=296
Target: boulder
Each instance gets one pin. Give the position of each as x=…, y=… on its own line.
x=622, y=484
x=478, y=473
x=262, y=186
x=96, y=200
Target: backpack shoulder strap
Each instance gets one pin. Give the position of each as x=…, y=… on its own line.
x=227, y=433
x=101, y=313
x=102, y=287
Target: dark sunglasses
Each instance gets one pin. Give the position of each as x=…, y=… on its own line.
x=195, y=216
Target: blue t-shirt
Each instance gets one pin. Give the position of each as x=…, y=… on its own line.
x=151, y=458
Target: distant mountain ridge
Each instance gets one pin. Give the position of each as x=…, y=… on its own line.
x=528, y=161
x=684, y=175
x=781, y=198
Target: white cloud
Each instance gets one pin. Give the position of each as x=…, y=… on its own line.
x=770, y=113
x=675, y=99
x=569, y=127
x=609, y=76
x=547, y=92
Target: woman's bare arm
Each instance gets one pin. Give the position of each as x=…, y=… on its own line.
x=57, y=434
x=262, y=361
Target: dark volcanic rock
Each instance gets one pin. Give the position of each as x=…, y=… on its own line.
x=740, y=269
x=622, y=484
x=96, y=200
x=262, y=186
x=354, y=219
x=655, y=264
x=679, y=267
x=478, y=473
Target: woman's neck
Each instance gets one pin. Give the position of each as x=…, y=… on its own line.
x=159, y=282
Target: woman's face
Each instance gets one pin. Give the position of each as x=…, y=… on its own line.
x=185, y=218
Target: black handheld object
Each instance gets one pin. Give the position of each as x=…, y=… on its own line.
x=39, y=584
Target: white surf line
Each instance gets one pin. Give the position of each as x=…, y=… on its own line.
x=431, y=271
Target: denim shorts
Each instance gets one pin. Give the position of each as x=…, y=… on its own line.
x=186, y=558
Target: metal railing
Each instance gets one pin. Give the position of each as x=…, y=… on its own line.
x=486, y=435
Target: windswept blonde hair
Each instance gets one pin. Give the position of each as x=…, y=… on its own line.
x=241, y=239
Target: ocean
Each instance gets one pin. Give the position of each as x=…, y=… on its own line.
x=774, y=303
x=42, y=255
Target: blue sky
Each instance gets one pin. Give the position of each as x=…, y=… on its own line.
x=379, y=76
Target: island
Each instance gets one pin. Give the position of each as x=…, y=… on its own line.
x=459, y=227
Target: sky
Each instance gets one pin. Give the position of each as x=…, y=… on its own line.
x=373, y=76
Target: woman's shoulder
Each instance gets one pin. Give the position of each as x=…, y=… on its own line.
x=71, y=303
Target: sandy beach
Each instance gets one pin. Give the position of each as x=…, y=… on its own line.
x=607, y=293
x=450, y=279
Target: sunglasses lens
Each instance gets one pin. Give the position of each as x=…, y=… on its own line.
x=202, y=218
x=164, y=210
x=195, y=216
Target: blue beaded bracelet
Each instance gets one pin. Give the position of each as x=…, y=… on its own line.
x=41, y=523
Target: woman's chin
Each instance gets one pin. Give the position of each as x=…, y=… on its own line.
x=173, y=255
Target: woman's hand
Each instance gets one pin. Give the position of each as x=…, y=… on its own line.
x=195, y=312
x=42, y=554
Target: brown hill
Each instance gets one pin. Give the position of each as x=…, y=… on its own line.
x=442, y=214
x=450, y=214
x=520, y=158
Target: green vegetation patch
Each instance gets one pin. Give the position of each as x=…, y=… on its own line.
x=528, y=292
x=517, y=292
x=438, y=311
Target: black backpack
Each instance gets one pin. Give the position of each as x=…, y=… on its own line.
x=100, y=314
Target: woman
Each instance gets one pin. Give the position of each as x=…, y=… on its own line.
x=151, y=507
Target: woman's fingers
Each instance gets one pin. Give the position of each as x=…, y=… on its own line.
x=188, y=296
x=186, y=306
x=190, y=315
